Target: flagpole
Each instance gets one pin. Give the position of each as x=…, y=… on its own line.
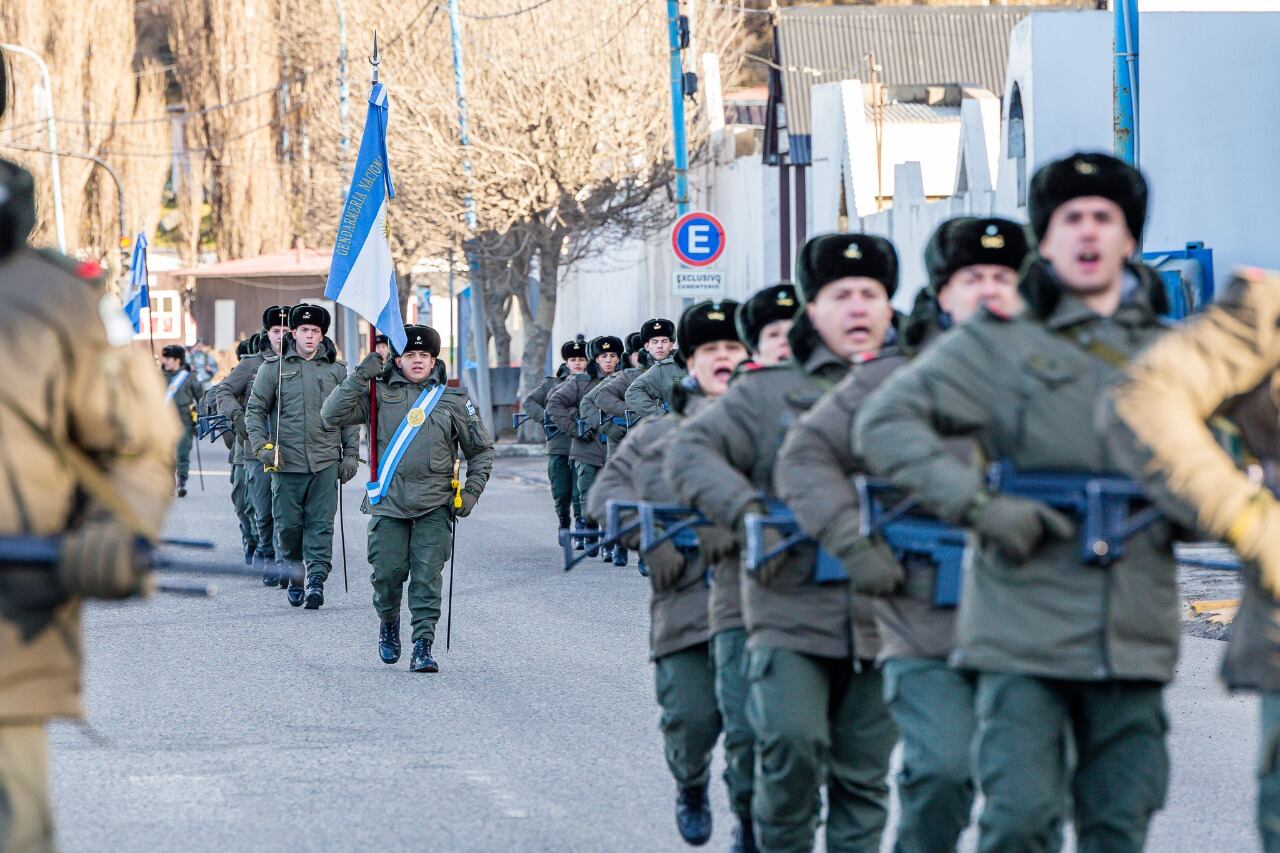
x=374, y=59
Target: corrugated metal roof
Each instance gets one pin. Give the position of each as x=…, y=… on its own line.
x=905, y=113
x=914, y=46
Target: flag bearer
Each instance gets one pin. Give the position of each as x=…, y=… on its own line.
x=185, y=392
x=422, y=427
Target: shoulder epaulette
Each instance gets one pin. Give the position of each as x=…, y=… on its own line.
x=90, y=272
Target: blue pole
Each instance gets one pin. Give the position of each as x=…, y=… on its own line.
x=1125, y=81
x=677, y=109
x=479, y=341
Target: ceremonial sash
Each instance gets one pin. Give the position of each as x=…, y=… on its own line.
x=413, y=421
x=175, y=383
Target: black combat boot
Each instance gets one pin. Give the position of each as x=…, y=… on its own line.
x=579, y=543
x=619, y=556
x=315, y=592
x=593, y=541
x=564, y=522
x=744, y=839
x=250, y=548
x=270, y=577
x=389, y=640
x=422, y=661
x=606, y=554
x=295, y=592
x=182, y=487
x=693, y=815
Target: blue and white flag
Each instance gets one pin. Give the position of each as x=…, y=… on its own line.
x=361, y=275
x=139, y=295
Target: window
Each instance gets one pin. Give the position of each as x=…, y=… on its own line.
x=165, y=316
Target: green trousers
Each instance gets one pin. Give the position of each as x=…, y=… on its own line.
x=730, y=650
x=584, y=477
x=244, y=506
x=1122, y=766
x=303, y=506
x=1269, y=774
x=182, y=456
x=690, y=722
x=26, y=818
x=412, y=549
x=259, y=482
x=933, y=706
x=563, y=492
x=818, y=721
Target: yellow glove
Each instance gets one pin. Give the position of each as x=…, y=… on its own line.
x=1255, y=535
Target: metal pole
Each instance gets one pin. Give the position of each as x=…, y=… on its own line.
x=681, y=149
x=54, y=175
x=1125, y=81
x=374, y=59
x=479, y=336
x=344, y=109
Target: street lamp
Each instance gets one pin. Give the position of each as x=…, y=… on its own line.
x=53, y=142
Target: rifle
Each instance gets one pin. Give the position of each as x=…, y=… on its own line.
x=518, y=419
x=212, y=427
x=915, y=535
x=826, y=568
x=1109, y=507
x=677, y=523
x=44, y=551
x=199, y=465
x=585, y=433
x=614, y=532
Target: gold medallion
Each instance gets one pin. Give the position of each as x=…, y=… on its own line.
x=416, y=418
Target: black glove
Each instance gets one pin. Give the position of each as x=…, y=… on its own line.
x=369, y=368
x=267, y=456
x=469, y=499
x=1017, y=525
x=98, y=560
x=347, y=469
x=666, y=564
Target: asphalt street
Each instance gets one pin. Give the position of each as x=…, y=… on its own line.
x=240, y=723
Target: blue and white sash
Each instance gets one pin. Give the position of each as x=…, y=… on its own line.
x=413, y=421
x=175, y=383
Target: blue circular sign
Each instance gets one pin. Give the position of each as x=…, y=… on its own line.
x=697, y=239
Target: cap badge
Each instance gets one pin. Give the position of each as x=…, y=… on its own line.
x=1086, y=168
x=715, y=315
x=995, y=241
x=852, y=252
x=784, y=300
x=416, y=418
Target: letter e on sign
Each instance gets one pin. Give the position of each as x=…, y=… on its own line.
x=697, y=239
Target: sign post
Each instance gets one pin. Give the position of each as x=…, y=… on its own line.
x=698, y=240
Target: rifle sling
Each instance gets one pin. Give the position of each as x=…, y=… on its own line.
x=1105, y=353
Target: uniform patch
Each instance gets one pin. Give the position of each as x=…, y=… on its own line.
x=471, y=410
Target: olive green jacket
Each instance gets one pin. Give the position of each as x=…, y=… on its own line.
x=188, y=396
x=306, y=443
x=611, y=400
x=1026, y=390
x=423, y=478
x=231, y=395
x=1224, y=362
x=722, y=462
x=563, y=408
x=535, y=405
x=651, y=390
x=678, y=618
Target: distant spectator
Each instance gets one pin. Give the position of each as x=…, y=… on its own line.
x=203, y=364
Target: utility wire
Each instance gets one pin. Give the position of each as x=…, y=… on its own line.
x=497, y=16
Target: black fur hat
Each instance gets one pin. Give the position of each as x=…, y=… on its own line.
x=828, y=257
x=174, y=351
x=382, y=339
x=605, y=344
x=1087, y=174
x=573, y=349
x=775, y=302
x=635, y=343
x=276, y=315
x=707, y=322
x=303, y=314
x=244, y=348
x=967, y=241
x=422, y=339
x=657, y=327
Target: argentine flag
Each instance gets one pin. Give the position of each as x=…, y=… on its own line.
x=361, y=275
x=138, y=296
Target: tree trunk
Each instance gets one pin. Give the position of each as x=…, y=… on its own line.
x=537, y=336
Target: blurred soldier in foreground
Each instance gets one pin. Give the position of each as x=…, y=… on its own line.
x=679, y=614
x=1059, y=644
x=86, y=454
x=422, y=426
x=764, y=321
x=185, y=392
x=1223, y=362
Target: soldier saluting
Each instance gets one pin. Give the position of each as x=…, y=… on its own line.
x=422, y=426
x=185, y=392
x=87, y=445
x=1057, y=644
x=307, y=456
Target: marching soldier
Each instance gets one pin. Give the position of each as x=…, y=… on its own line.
x=815, y=695
x=680, y=631
x=1057, y=644
x=240, y=498
x=308, y=458
x=232, y=396
x=764, y=321
x=586, y=452
x=422, y=426
x=559, y=469
x=611, y=396
x=184, y=391
x=651, y=391
x=972, y=264
x=88, y=440
x=1223, y=362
